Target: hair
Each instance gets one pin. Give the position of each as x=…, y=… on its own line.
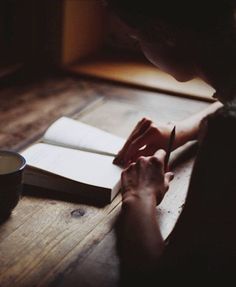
x=205, y=30
x=200, y=16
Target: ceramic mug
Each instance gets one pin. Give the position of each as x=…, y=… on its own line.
x=12, y=165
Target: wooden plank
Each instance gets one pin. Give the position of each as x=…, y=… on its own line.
x=27, y=110
x=123, y=108
x=116, y=112
x=46, y=240
x=101, y=261
x=138, y=72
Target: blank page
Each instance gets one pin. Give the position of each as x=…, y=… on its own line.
x=85, y=167
x=74, y=134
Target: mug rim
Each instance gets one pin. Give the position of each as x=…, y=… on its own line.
x=22, y=159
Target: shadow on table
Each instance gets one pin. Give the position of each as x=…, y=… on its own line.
x=40, y=192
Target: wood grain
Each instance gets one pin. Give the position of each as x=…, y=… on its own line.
x=138, y=72
x=52, y=242
x=27, y=110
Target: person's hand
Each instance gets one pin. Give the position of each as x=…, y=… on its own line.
x=144, y=140
x=146, y=178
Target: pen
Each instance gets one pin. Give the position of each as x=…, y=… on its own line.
x=169, y=148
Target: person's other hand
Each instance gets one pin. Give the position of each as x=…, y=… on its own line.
x=146, y=178
x=144, y=140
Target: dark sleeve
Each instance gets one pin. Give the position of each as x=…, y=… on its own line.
x=203, y=241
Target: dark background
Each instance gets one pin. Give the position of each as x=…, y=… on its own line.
x=30, y=32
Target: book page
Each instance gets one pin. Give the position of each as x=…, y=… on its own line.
x=90, y=168
x=74, y=134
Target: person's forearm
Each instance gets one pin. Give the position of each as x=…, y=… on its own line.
x=188, y=129
x=143, y=243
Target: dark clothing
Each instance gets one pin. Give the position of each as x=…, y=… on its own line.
x=201, y=249
x=202, y=245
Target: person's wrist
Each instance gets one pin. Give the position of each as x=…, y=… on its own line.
x=184, y=133
x=170, y=127
x=165, y=132
x=130, y=198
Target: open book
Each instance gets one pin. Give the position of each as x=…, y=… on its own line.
x=76, y=158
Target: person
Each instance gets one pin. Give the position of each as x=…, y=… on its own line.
x=186, y=39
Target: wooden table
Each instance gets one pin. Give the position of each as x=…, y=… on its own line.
x=55, y=242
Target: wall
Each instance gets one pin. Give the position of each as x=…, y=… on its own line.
x=84, y=29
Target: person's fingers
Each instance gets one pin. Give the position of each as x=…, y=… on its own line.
x=144, y=138
x=141, y=163
x=158, y=160
x=148, y=151
x=160, y=155
x=126, y=171
x=130, y=168
x=141, y=160
x=129, y=177
x=168, y=178
x=133, y=151
x=125, y=175
x=141, y=124
x=140, y=129
x=118, y=161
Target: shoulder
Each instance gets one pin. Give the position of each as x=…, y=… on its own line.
x=219, y=128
